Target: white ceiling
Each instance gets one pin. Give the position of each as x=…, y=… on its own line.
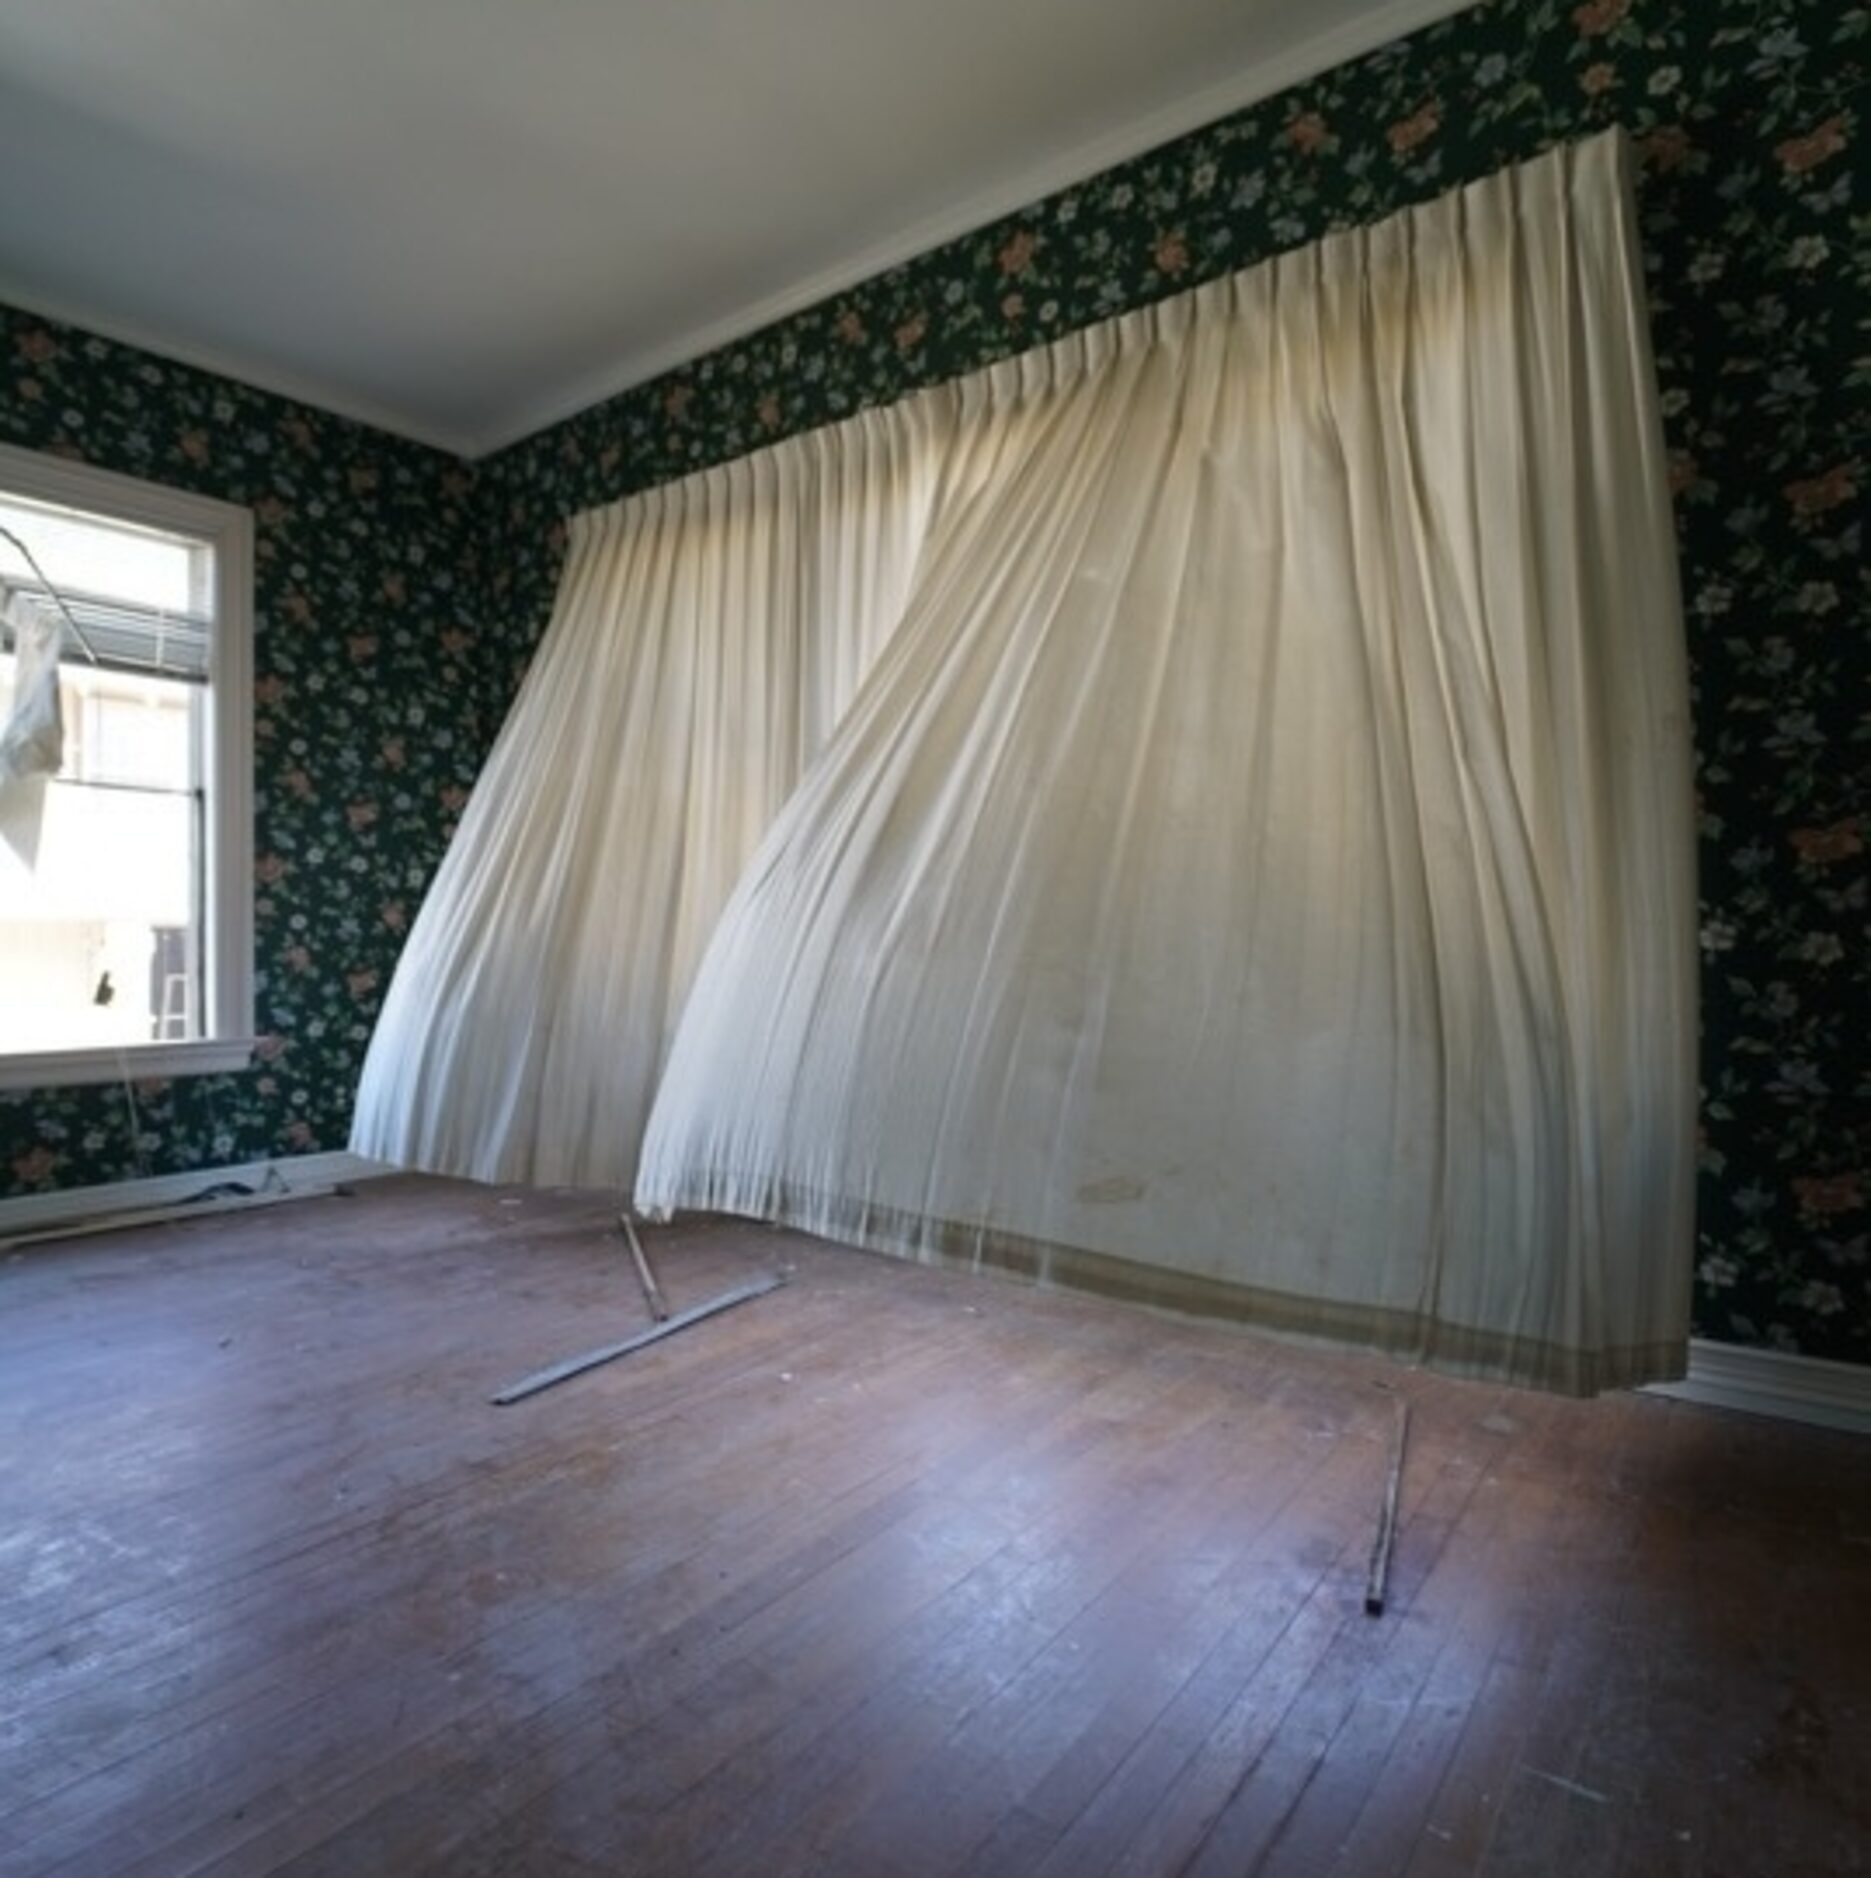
x=462, y=219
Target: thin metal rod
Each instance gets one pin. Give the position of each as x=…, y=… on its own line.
x=577, y=1365
x=1387, y=1521
x=646, y=1275
x=52, y=593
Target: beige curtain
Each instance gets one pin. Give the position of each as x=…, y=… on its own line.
x=1257, y=877
x=706, y=638
x=1243, y=854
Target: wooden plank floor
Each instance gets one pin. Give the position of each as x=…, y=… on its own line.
x=892, y=1572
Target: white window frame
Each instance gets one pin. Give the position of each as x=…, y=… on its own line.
x=227, y=1038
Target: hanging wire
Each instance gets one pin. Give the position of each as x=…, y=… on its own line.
x=52, y=593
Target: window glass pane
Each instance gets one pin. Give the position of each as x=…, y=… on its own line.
x=109, y=559
x=127, y=730
x=99, y=885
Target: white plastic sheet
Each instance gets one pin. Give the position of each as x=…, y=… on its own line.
x=32, y=732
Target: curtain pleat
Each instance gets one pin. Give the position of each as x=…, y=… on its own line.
x=707, y=637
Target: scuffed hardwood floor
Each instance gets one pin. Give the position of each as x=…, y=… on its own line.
x=892, y=1572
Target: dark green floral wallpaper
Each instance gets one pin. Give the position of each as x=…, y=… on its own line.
x=370, y=719
x=1748, y=117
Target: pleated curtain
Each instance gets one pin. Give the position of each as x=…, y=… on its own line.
x=1248, y=864
x=706, y=637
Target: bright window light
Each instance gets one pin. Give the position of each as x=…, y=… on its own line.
x=125, y=878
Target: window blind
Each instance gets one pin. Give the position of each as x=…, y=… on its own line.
x=125, y=636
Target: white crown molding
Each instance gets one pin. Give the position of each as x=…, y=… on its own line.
x=1774, y=1382
x=225, y=363
x=1339, y=45
x=68, y=1211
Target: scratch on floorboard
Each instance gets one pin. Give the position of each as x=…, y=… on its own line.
x=1571, y=1786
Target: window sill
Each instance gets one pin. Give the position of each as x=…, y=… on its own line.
x=136, y=1062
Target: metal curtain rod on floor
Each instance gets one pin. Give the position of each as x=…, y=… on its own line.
x=1376, y=1585
x=591, y=1359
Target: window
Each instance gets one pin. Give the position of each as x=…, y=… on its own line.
x=126, y=900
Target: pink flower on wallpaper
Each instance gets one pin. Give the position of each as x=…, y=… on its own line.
x=1016, y=253
x=1829, y=1193
x=1308, y=132
x=1823, y=846
x=1800, y=154
x=1666, y=148
x=1816, y=494
x=1599, y=16
x=35, y=1166
x=1417, y=128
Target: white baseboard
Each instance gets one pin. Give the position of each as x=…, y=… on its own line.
x=289, y=1176
x=1774, y=1382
